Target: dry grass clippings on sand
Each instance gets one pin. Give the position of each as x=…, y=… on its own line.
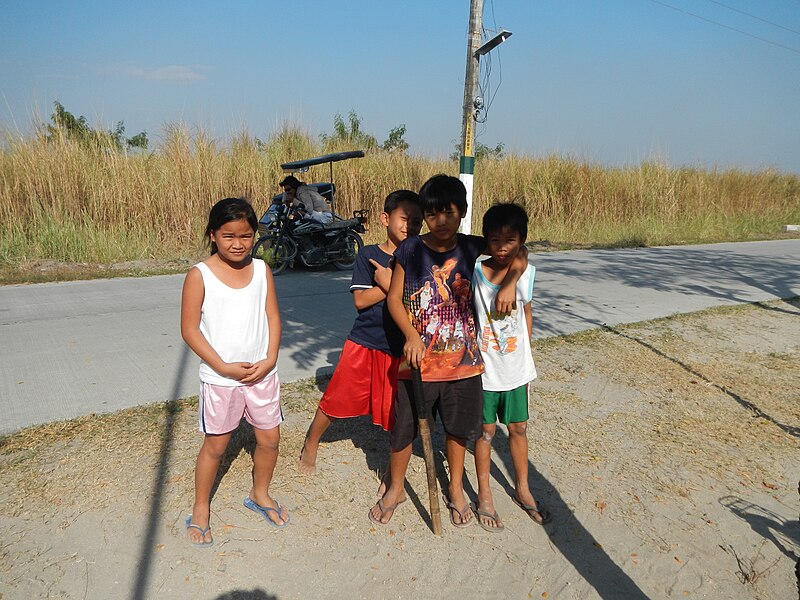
x=675, y=442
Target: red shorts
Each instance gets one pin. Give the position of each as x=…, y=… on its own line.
x=364, y=383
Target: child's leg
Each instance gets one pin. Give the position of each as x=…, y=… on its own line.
x=456, y=450
x=395, y=493
x=483, y=463
x=308, y=455
x=518, y=444
x=264, y=459
x=205, y=473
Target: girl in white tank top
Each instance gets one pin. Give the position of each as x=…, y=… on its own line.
x=229, y=318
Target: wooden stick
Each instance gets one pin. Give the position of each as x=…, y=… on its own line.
x=427, y=449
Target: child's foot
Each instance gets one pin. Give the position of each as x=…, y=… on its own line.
x=524, y=499
x=459, y=517
x=270, y=509
x=382, y=512
x=488, y=518
x=197, y=527
x=308, y=461
x=386, y=480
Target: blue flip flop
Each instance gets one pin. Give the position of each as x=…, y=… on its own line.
x=265, y=510
x=203, y=532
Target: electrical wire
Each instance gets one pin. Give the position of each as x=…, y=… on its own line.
x=789, y=48
x=741, y=12
x=484, y=82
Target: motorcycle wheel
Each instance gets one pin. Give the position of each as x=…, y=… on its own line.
x=276, y=252
x=353, y=243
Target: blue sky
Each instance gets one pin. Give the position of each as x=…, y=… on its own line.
x=615, y=82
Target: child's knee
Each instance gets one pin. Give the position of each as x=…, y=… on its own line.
x=268, y=440
x=268, y=445
x=213, y=451
x=487, y=433
x=516, y=429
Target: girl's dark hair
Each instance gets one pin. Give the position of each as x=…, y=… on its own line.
x=394, y=199
x=227, y=210
x=440, y=191
x=508, y=215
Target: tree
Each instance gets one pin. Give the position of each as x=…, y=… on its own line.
x=482, y=151
x=349, y=134
x=67, y=125
x=395, y=141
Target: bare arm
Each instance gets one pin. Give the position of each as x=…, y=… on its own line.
x=528, y=319
x=506, y=300
x=413, y=349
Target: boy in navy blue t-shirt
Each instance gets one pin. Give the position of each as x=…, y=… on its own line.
x=365, y=379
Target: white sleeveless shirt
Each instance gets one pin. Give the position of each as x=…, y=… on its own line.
x=504, y=343
x=234, y=321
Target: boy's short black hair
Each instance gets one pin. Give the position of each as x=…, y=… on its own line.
x=440, y=191
x=394, y=199
x=508, y=215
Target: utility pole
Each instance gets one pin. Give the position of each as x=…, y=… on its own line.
x=467, y=161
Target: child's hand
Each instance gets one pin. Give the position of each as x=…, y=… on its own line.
x=259, y=371
x=383, y=275
x=237, y=370
x=414, y=351
x=506, y=300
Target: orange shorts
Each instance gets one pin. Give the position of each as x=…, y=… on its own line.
x=364, y=383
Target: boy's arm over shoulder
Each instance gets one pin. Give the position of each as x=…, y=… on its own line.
x=476, y=243
x=506, y=300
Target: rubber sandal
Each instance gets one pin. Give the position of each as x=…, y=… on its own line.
x=462, y=514
x=265, y=511
x=543, y=513
x=384, y=510
x=494, y=516
x=203, y=532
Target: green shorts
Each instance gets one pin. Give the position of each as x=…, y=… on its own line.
x=508, y=407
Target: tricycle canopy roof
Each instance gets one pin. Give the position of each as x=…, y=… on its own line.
x=301, y=166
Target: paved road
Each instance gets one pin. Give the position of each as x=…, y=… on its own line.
x=70, y=349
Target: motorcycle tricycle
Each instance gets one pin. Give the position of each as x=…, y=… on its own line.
x=285, y=238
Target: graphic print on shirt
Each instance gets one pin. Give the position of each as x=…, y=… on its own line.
x=499, y=333
x=439, y=306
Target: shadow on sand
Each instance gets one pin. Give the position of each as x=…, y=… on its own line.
x=147, y=551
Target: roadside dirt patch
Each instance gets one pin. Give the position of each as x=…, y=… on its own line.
x=667, y=452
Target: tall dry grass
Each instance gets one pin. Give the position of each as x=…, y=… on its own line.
x=64, y=201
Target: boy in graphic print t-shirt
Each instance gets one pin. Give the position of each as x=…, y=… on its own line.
x=442, y=261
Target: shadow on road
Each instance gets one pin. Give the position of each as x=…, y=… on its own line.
x=704, y=272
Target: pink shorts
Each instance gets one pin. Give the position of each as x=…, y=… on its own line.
x=221, y=407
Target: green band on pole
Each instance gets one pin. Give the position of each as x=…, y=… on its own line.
x=467, y=165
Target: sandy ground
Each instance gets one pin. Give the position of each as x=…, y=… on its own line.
x=667, y=452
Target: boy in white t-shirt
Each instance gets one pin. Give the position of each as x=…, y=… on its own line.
x=505, y=346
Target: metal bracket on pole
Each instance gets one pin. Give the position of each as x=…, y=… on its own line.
x=493, y=43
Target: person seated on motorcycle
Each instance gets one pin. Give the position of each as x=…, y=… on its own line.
x=304, y=197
